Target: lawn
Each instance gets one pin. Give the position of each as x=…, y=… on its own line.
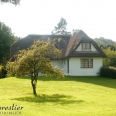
x=72, y=96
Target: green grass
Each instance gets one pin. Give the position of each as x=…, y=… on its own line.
x=72, y=96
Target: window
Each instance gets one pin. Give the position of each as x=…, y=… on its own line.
x=86, y=46
x=86, y=63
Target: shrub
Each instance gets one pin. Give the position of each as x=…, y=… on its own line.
x=10, y=69
x=108, y=72
x=3, y=72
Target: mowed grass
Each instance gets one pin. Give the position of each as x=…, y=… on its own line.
x=72, y=96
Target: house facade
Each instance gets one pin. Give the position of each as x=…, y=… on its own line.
x=80, y=66
x=81, y=56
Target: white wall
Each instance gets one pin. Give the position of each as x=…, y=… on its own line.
x=75, y=66
x=76, y=70
x=93, y=48
x=58, y=63
x=62, y=64
x=65, y=66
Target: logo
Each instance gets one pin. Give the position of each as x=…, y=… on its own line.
x=13, y=109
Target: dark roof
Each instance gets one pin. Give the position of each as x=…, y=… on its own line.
x=29, y=40
x=67, y=44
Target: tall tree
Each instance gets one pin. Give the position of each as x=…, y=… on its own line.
x=6, y=39
x=15, y=2
x=36, y=60
x=60, y=28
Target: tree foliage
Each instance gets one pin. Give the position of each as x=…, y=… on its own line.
x=110, y=60
x=15, y=2
x=36, y=59
x=109, y=48
x=6, y=39
x=61, y=28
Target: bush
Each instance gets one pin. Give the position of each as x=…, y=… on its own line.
x=3, y=72
x=10, y=69
x=108, y=72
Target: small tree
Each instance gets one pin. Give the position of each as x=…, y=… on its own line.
x=36, y=59
x=60, y=28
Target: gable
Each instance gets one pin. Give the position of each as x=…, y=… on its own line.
x=89, y=45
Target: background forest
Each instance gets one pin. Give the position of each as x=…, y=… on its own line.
x=109, y=48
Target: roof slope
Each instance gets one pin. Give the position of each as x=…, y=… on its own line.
x=61, y=42
x=75, y=40
x=67, y=44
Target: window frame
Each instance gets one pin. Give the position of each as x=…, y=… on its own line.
x=86, y=46
x=86, y=63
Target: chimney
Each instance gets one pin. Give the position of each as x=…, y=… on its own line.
x=74, y=31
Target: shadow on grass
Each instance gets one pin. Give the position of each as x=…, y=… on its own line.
x=103, y=81
x=55, y=98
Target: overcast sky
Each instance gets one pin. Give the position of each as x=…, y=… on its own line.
x=97, y=18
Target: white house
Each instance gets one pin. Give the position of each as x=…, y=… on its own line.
x=81, y=56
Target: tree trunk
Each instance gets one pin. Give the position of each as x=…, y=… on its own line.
x=34, y=83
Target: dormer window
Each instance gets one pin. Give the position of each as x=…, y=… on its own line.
x=86, y=46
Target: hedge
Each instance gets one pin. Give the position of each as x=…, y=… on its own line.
x=108, y=72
